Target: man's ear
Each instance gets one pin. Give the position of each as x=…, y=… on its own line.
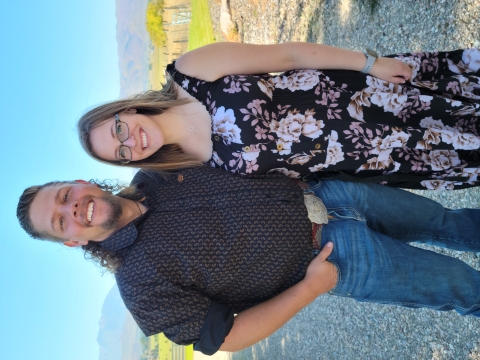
x=83, y=182
x=131, y=111
x=75, y=243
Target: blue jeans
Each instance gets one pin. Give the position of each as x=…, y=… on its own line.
x=371, y=228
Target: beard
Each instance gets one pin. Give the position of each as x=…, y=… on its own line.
x=113, y=221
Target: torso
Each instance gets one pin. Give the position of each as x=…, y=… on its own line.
x=199, y=143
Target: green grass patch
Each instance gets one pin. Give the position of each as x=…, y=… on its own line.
x=201, y=28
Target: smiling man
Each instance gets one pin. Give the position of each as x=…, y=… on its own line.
x=193, y=248
x=80, y=211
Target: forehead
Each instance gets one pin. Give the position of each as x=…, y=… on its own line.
x=43, y=206
x=103, y=140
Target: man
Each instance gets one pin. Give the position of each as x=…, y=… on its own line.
x=193, y=248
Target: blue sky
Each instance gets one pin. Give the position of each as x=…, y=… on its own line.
x=57, y=58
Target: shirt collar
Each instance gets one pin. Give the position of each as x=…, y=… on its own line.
x=121, y=239
x=127, y=235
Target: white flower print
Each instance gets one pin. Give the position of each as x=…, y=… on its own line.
x=299, y=159
x=438, y=184
x=413, y=62
x=453, y=102
x=471, y=173
x=448, y=134
x=359, y=99
x=471, y=59
x=293, y=125
x=467, y=87
x=250, y=156
x=285, y=171
x=470, y=62
x=216, y=159
x=441, y=159
x=298, y=80
x=387, y=95
x=461, y=141
x=223, y=124
x=266, y=87
x=185, y=83
x=376, y=163
x=432, y=85
x=334, y=153
x=430, y=122
x=383, y=147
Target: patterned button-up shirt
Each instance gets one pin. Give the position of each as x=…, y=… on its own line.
x=212, y=244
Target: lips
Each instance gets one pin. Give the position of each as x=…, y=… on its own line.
x=143, y=138
x=90, y=208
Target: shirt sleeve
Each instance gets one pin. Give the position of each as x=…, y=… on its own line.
x=185, y=316
x=217, y=325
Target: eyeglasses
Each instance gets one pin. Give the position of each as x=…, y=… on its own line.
x=124, y=152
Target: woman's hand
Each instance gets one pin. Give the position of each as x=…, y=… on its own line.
x=391, y=70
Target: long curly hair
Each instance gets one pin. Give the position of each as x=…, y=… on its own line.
x=106, y=260
x=152, y=102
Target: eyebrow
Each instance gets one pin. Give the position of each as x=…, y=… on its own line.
x=57, y=200
x=115, y=154
x=111, y=130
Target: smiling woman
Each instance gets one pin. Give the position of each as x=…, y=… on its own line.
x=97, y=128
x=406, y=120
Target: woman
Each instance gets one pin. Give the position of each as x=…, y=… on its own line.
x=410, y=122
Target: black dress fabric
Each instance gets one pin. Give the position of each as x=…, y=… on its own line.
x=421, y=135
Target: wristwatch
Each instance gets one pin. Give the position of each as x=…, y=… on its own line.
x=371, y=57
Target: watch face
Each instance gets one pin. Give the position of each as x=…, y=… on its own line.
x=371, y=52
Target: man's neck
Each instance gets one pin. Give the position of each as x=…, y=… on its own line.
x=131, y=210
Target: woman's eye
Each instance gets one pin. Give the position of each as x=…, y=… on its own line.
x=119, y=129
x=122, y=154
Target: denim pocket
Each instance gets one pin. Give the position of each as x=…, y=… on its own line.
x=343, y=213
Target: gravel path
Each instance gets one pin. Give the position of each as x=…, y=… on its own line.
x=337, y=328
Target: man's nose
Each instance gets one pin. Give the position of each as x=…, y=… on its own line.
x=73, y=209
x=130, y=142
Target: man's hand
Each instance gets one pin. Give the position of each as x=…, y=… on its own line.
x=391, y=70
x=321, y=275
x=258, y=322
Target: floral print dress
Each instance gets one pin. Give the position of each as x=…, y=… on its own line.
x=343, y=124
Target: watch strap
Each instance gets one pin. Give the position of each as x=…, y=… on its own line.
x=368, y=65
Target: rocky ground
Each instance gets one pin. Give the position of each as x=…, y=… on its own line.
x=336, y=328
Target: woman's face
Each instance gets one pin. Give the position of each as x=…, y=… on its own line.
x=144, y=137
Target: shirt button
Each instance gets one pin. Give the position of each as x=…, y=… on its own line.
x=279, y=146
x=246, y=148
x=180, y=178
x=217, y=138
x=318, y=146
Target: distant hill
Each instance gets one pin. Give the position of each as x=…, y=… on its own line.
x=119, y=335
x=133, y=46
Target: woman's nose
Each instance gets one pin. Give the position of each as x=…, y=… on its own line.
x=130, y=142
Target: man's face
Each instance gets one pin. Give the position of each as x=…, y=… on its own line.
x=76, y=212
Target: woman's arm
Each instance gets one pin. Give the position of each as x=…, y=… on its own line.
x=260, y=321
x=213, y=61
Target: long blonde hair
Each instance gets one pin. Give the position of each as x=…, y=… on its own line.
x=151, y=102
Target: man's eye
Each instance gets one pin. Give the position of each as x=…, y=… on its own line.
x=65, y=197
x=61, y=224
